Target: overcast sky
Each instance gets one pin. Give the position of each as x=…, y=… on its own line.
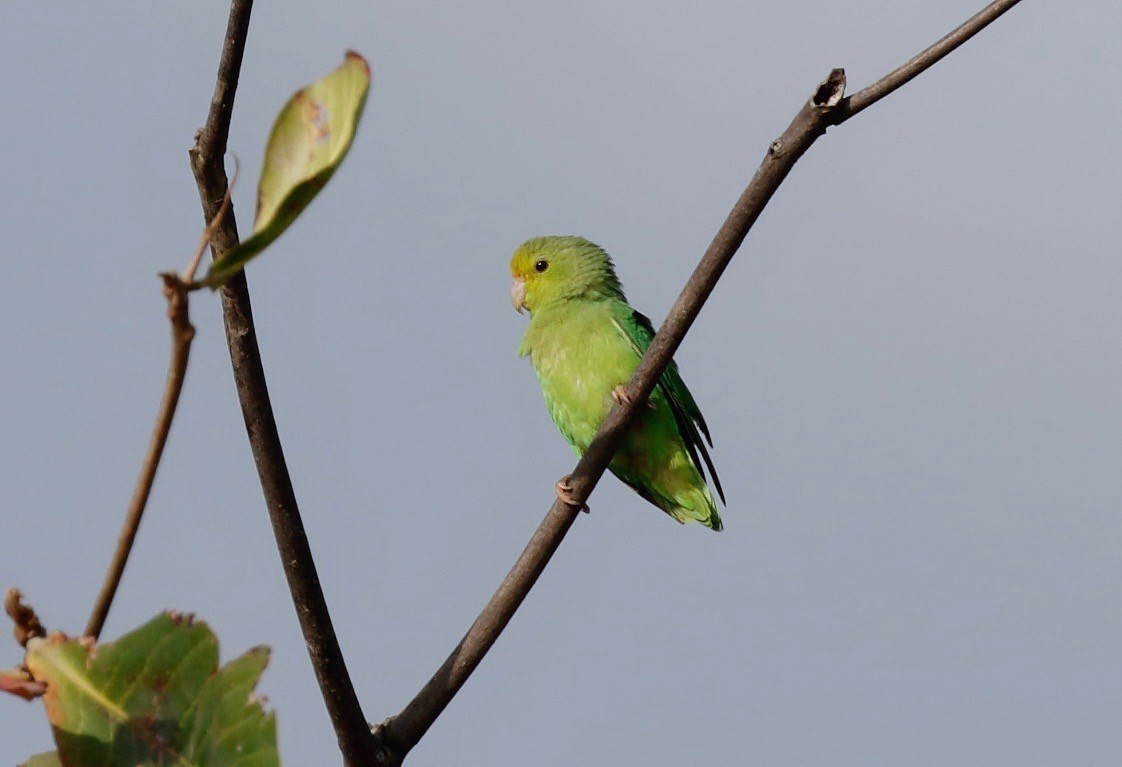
x=911, y=371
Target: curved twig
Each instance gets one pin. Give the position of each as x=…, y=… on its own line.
x=182, y=334
x=355, y=740
x=826, y=107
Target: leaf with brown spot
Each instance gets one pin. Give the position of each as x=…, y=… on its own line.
x=310, y=137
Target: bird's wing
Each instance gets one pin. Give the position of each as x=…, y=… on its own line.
x=639, y=331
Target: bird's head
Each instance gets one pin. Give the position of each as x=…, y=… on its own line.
x=556, y=268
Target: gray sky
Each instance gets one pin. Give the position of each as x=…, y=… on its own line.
x=911, y=371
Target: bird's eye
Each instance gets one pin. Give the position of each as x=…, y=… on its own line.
x=541, y=265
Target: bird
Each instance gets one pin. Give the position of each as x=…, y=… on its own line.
x=584, y=341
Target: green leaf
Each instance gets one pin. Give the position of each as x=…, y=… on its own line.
x=48, y=759
x=310, y=138
x=154, y=697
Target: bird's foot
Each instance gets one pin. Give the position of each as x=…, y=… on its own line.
x=564, y=489
x=620, y=395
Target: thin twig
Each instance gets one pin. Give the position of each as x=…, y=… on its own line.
x=188, y=277
x=182, y=334
x=216, y=130
x=402, y=732
x=922, y=61
x=356, y=743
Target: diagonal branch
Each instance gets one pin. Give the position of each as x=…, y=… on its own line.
x=826, y=107
x=921, y=62
x=182, y=334
x=351, y=728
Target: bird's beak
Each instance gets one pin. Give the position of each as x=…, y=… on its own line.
x=518, y=294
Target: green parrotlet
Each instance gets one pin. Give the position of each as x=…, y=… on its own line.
x=584, y=341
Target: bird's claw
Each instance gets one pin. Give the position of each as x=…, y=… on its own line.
x=620, y=395
x=564, y=489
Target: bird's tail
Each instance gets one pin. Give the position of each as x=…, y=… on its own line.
x=689, y=501
x=695, y=504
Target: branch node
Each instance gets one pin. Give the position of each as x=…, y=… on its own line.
x=831, y=90
x=175, y=291
x=27, y=622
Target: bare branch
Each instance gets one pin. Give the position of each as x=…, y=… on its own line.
x=211, y=140
x=182, y=334
x=825, y=107
x=870, y=95
x=355, y=741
